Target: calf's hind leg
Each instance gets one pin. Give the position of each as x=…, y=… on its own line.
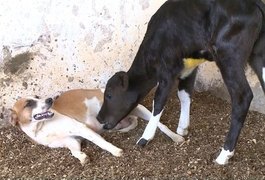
x=241, y=95
x=257, y=60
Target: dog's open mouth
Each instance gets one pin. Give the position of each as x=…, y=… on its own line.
x=44, y=115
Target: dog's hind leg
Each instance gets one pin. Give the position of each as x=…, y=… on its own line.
x=75, y=148
x=185, y=89
x=92, y=136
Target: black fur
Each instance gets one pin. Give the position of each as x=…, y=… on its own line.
x=229, y=32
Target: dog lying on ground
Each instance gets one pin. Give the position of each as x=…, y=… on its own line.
x=61, y=122
x=180, y=36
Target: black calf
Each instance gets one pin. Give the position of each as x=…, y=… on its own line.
x=228, y=32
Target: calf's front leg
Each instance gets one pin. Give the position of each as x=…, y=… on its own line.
x=159, y=102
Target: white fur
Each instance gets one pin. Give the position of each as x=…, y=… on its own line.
x=93, y=106
x=143, y=113
x=150, y=129
x=224, y=156
x=102, y=90
x=184, y=120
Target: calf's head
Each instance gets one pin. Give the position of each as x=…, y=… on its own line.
x=119, y=101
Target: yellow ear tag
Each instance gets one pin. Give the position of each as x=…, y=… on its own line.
x=192, y=63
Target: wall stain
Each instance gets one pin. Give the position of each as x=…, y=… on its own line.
x=17, y=64
x=107, y=32
x=5, y=82
x=144, y=3
x=71, y=79
x=75, y=10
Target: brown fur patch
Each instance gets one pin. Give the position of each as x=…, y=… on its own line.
x=71, y=103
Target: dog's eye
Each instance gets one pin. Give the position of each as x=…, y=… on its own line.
x=30, y=103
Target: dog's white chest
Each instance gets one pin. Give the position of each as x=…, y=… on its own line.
x=52, y=131
x=93, y=106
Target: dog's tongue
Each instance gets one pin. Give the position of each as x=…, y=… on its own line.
x=45, y=115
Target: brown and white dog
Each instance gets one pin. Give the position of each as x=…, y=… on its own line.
x=61, y=122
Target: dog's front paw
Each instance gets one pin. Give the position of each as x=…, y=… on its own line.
x=177, y=138
x=142, y=142
x=117, y=152
x=82, y=158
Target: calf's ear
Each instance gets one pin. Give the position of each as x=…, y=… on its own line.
x=123, y=79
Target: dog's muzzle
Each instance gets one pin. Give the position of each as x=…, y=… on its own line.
x=44, y=115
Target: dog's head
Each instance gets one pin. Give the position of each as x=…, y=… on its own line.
x=118, y=102
x=29, y=109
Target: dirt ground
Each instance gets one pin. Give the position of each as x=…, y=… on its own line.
x=160, y=159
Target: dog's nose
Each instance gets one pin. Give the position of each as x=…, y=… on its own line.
x=49, y=101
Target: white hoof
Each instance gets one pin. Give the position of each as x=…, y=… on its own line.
x=224, y=156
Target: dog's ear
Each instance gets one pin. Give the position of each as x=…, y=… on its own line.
x=124, y=80
x=13, y=117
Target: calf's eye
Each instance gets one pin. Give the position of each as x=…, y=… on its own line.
x=108, y=96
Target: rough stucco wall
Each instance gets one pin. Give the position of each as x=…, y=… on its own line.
x=52, y=46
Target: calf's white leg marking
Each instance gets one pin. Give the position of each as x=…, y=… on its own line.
x=224, y=156
x=184, y=120
x=150, y=129
x=143, y=113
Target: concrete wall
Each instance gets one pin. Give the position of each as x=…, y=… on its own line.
x=50, y=46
